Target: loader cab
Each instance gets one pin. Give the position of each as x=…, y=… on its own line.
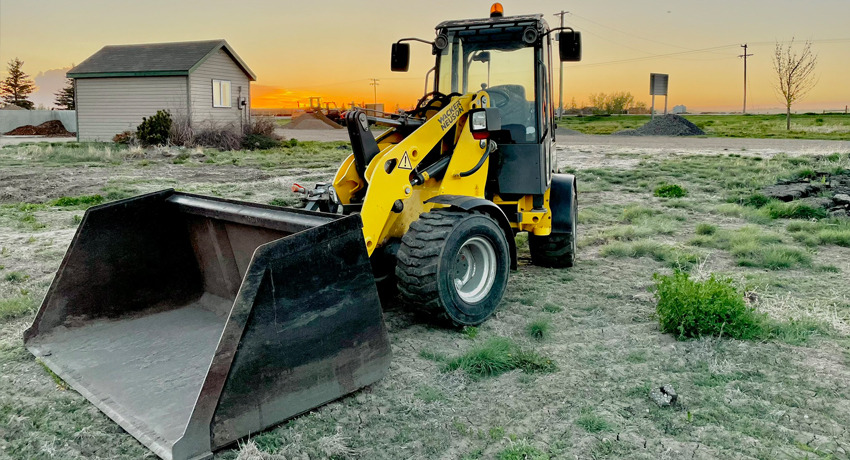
x=511, y=59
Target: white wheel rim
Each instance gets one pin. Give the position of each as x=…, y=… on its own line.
x=474, y=271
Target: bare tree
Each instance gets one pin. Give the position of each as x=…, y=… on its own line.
x=795, y=72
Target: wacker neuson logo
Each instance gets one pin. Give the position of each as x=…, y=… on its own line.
x=448, y=118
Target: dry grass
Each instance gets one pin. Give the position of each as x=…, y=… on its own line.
x=781, y=397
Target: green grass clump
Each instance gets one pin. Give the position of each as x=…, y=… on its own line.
x=833, y=231
x=16, y=277
x=632, y=213
x=670, y=191
x=706, y=229
x=539, y=329
x=793, y=210
x=648, y=248
x=692, y=309
x=470, y=332
x=753, y=247
x=74, y=201
x=15, y=307
x=522, y=451
x=497, y=356
x=756, y=200
x=591, y=422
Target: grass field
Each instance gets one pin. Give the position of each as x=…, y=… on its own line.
x=564, y=368
x=804, y=126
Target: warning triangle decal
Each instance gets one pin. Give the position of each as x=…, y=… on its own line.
x=405, y=162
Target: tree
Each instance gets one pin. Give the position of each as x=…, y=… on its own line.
x=17, y=86
x=795, y=74
x=611, y=103
x=65, y=96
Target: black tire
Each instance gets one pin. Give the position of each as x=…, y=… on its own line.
x=557, y=250
x=435, y=255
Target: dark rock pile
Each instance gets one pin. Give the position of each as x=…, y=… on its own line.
x=665, y=125
x=824, y=190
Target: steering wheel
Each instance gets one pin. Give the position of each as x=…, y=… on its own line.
x=498, y=98
x=428, y=101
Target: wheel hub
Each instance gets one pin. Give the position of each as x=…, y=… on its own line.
x=474, y=271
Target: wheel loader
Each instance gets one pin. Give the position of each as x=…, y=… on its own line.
x=195, y=321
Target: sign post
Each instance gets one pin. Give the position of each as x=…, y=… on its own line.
x=658, y=86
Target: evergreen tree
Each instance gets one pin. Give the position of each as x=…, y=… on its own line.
x=17, y=87
x=65, y=96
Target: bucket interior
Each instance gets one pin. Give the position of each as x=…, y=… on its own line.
x=135, y=315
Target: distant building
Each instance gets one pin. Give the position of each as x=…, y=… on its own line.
x=203, y=83
x=680, y=109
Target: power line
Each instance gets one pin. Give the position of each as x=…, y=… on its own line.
x=375, y=84
x=745, y=55
x=561, y=73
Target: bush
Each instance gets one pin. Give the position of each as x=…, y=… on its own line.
x=263, y=126
x=259, y=142
x=693, y=309
x=181, y=132
x=84, y=201
x=125, y=138
x=670, y=191
x=793, y=210
x=219, y=138
x=756, y=200
x=155, y=130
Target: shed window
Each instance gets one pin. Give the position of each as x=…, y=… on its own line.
x=221, y=93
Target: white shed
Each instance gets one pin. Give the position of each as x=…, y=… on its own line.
x=204, y=83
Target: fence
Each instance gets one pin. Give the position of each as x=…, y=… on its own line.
x=11, y=119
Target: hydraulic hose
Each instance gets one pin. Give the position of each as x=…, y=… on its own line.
x=491, y=146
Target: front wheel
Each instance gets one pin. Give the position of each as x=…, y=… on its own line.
x=454, y=264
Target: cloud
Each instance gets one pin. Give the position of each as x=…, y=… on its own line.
x=48, y=82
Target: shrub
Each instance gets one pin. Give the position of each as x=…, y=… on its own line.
x=155, y=130
x=125, y=138
x=259, y=142
x=263, y=126
x=670, y=191
x=219, y=138
x=181, y=132
x=692, y=309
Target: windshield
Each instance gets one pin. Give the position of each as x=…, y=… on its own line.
x=504, y=70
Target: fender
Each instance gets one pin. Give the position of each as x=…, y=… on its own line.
x=470, y=203
x=561, y=202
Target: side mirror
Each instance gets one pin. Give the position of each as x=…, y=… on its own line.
x=569, y=46
x=400, y=60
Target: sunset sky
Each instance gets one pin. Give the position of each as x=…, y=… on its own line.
x=332, y=48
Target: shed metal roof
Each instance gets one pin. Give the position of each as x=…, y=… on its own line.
x=155, y=59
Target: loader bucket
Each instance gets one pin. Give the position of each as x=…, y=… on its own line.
x=195, y=321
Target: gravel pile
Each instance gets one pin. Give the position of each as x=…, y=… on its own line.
x=312, y=120
x=52, y=128
x=665, y=125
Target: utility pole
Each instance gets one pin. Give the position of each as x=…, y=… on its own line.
x=561, y=73
x=375, y=84
x=745, y=55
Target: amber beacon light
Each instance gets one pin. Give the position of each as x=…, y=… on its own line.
x=497, y=11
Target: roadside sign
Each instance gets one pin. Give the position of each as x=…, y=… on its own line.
x=658, y=84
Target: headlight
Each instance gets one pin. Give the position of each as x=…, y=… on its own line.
x=479, y=121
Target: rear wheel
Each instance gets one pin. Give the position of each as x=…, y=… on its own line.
x=454, y=264
x=556, y=250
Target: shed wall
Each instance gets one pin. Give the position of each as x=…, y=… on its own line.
x=219, y=66
x=108, y=106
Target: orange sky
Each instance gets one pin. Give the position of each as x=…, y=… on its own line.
x=332, y=48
